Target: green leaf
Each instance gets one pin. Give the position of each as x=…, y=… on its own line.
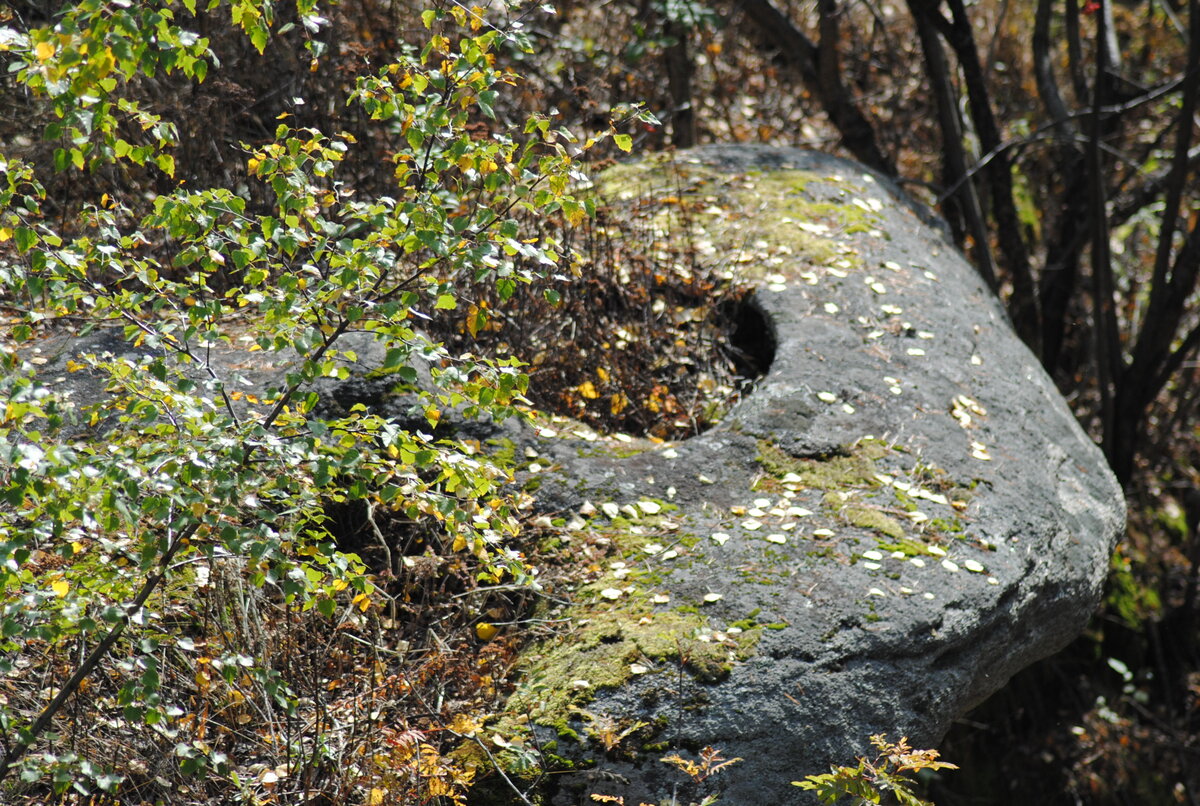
x=25, y=239
x=623, y=142
x=446, y=302
x=258, y=37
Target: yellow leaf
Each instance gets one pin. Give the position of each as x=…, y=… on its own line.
x=618, y=403
x=486, y=631
x=462, y=723
x=376, y=797
x=60, y=587
x=438, y=788
x=476, y=318
x=602, y=374
x=459, y=544
x=5, y=234
x=588, y=390
x=43, y=51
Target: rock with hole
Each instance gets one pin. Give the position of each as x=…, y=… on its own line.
x=898, y=518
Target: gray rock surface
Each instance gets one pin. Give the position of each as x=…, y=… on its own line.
x=960, y=527
x=898, y=518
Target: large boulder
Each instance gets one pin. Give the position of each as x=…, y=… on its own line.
x=900, y=516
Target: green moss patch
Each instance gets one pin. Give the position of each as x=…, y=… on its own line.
x=867, y=518
x=856, y=468
x=605, y=647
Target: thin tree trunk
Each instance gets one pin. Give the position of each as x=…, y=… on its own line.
x=858, y=136
x=1173, y=282
x=1165, y=308
x=1023, y=304
x=679, y=86
x=1060, y=272
x=937, y=70
x=1117, y=420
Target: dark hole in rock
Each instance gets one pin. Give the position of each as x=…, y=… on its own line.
x=751, y=344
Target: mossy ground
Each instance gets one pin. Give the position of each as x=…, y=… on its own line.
x=760, y=215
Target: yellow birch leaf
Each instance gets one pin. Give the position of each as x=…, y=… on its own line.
x=60, y=587
x=588, y=390
x=463, y=723
x=43, y=51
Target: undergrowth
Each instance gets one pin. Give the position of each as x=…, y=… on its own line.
x=640, y=337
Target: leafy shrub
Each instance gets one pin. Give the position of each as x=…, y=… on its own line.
x=166, y=550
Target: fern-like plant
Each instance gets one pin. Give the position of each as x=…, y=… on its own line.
x=876, y=781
